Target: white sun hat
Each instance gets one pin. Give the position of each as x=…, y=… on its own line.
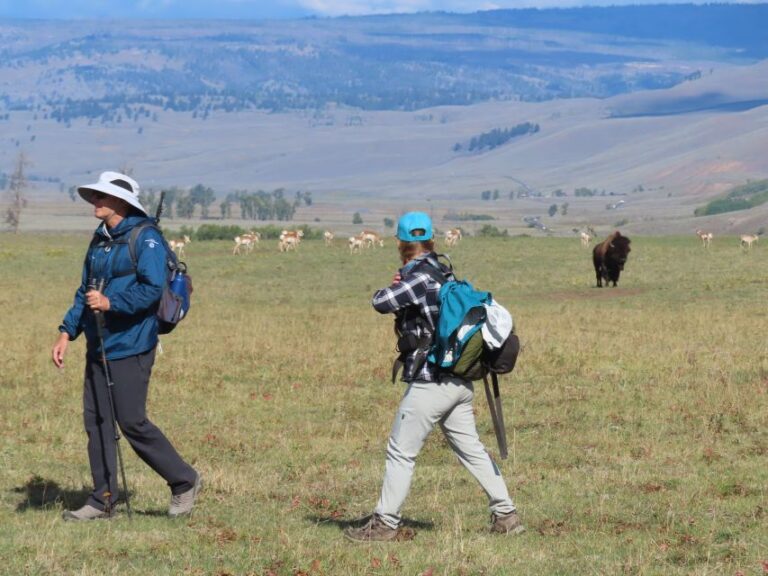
x=117, y=185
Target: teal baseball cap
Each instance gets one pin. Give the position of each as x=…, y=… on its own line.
x=412, y=221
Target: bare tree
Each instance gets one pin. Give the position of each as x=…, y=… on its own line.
x=17, y=201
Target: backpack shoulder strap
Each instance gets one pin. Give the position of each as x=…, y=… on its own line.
x=440, y=274
x=447, y=258
x=431, y=271
x=134, y=237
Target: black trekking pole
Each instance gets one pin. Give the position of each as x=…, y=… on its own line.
x=497, y=416
x=160, y=207
x=110, y=385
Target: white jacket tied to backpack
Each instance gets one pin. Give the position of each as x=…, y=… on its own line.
x=497, y=326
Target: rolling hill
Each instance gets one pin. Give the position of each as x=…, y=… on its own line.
x=366, y=112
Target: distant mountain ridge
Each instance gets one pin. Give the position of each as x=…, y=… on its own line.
x=737, y=26
x=397, y=62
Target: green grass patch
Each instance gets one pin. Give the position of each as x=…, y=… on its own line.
x=741, y=197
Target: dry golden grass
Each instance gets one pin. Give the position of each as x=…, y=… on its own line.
x=637, y=417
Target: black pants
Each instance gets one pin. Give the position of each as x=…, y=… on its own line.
x=131, y=383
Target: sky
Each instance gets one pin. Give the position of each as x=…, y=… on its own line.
x=258, y=9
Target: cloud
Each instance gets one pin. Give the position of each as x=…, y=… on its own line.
x=153, y=5
x=358, y=7
x=355, y=8
x=361, y=7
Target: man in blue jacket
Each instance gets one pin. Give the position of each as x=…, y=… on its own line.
x=128, y=304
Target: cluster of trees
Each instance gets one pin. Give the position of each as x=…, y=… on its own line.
x=495, y=194
x=178, y=202
x=491, y=231
x=741, y=197
x=466, y=217
x=263, y=205
x=489, y=195
x=553, y=209
x=200, y=199
x=588, y=192
x=117, y=108
x=110, y=110
x=496, y=137
x=260, y=205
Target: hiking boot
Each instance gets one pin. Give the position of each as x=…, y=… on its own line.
x=372, y=531
x=182, y=504
x=87, y=512
x=507, y=524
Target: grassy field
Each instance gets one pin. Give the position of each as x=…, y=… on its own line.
x=637, y=417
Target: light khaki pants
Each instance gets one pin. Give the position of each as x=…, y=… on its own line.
x=448, y=403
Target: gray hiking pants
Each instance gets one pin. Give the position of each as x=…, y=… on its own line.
x=448, y=403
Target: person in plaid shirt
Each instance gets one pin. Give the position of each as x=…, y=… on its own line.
x=415, y=302
x=431, y=397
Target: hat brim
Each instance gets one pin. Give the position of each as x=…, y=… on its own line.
x=86, y=193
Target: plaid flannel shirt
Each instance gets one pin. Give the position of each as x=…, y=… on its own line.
x=414, y=297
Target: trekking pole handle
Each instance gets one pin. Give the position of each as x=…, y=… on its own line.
x=98, y=285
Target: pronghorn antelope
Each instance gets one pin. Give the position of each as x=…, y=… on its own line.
x=748, y=239
x=297, y=234
x=247, y=240
x=289, y=240
x=328, y=237
x=452, y=236
x=355, y=244
x=706, y=238
x=585, y=239
x=254, y=236
x=370, y=239
x=288, y=243
x=178, y=245
x=243, y=240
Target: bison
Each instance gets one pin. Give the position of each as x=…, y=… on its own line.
x=609, y=258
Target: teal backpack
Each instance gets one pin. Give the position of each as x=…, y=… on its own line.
x=457, y=346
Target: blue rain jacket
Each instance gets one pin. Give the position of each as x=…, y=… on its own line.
x=130, y=325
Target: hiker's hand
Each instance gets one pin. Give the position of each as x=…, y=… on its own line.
x=59, y=349
x=97, y=301
x=397, y=278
